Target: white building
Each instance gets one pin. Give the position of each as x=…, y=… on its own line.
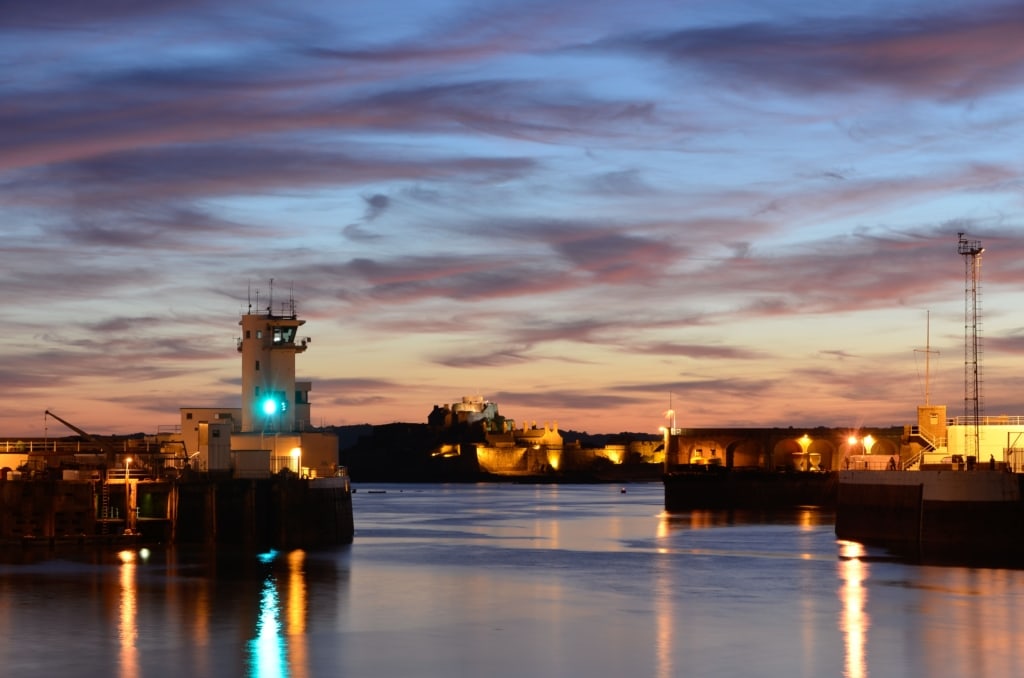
x=951, y=441
x=271, y=430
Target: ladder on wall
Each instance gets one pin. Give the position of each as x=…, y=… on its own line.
x=104, y=506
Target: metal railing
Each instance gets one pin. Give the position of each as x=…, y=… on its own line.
x=915, y=460
x=933, y=442
x=988, y=420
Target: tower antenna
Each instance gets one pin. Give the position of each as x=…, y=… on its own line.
x=971, y=251
x=927, y=358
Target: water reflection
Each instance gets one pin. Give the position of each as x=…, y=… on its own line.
x=854, y=621
x=279, y=648
x=127, y=628
x=664, y=613
x=267, y=648
x=503, y=583
x=297, y=611
x=969, y=620
x=807, y=518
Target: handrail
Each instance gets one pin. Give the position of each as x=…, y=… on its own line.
x=924, y=435
x=988, y=420
x=913, y=461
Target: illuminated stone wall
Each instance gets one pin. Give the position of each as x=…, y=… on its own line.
x=502, y=461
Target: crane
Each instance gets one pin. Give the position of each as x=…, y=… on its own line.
x=108, y=453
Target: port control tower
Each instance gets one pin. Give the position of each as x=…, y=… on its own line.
x=272, y=401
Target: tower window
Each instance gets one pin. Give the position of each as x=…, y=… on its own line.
x=248, y=334
x=284, y=335
x=257, y=365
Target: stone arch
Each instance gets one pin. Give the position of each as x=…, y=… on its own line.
x=706, y=451
x=745, y=453
x=785, y=452
x=885, y=447
x=823, y=454
x=789, y=454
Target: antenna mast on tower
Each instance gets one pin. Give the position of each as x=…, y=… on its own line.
x=670, y=414
x=927, y=359
x=971, y=251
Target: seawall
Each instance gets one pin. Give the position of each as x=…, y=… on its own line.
x=706, y=487
x=964, y=514
x=277, y=512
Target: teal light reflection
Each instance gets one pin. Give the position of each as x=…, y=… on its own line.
x=267, y=650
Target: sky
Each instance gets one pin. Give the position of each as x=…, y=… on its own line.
x=586, y=212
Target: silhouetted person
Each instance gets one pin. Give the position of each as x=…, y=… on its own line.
x=991, y=462
x=892, y=463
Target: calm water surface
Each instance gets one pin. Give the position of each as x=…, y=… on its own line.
x=517, y=580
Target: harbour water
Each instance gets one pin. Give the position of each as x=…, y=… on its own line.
x=516, y=580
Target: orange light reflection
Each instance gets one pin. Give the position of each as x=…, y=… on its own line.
x=127, y=629
x=664, y=618
x=854, y=621
x=298, y=656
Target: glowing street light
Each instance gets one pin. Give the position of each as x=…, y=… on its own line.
x=127, y=497
x=805, y=443
x=296, y=454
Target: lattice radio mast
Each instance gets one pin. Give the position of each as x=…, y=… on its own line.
x=971, y=251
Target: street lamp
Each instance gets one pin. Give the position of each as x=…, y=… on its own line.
x=664, y=445
x=297, y=456
x=127, y=497
x=805, y=444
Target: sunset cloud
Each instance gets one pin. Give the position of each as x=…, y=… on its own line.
x=577, y=210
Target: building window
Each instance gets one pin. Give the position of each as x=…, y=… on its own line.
x=257, y=365
x=259, y=334
x=188, y=415
x=284, y=335
x=248, y=334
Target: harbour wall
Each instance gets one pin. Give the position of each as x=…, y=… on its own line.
x=942, y=514
x=710, y=487
x=771, y=449
x=277, y=512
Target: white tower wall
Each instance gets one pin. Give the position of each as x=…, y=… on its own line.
x=268, y=346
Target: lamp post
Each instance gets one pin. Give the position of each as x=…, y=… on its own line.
x=664, y=445
x=805, y=444
x=127, y=497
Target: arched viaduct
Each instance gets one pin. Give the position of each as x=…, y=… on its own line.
x=818, y=448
